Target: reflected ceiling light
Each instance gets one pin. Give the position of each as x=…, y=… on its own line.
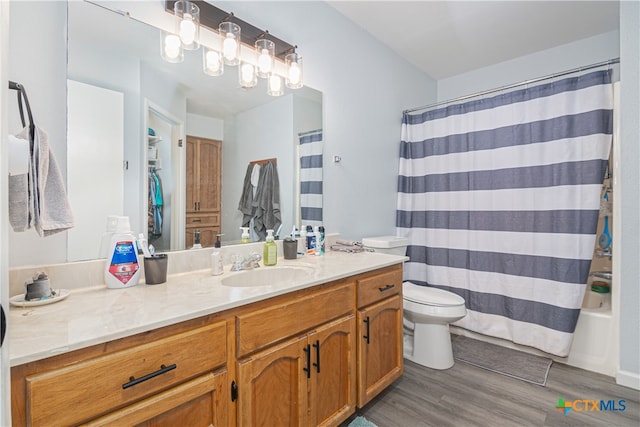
x=275, y=85
x=247, y=75
x=293, y=61
x=212, y=62
x=171, y=47
x=188, y=26
x=265, y=49
x=231, y=43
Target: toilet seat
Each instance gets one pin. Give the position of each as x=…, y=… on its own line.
x=426, y=295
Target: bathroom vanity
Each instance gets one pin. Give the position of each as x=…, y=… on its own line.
x=199, y=350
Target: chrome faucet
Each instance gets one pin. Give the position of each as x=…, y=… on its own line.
x=248, y=263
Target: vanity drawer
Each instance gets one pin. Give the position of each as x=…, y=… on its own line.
x=202, y=220
x=87, y=389
x=259, y=328
x=379, y=286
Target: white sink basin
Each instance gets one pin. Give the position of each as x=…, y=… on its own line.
x=266, y=276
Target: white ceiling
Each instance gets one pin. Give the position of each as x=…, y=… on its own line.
x=447, y=38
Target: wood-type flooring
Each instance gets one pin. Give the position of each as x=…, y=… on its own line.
x=465, y=395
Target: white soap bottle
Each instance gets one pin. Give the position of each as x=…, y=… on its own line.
x=216, y=258
x=122, y=269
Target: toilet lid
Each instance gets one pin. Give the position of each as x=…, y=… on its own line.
x=430, y=296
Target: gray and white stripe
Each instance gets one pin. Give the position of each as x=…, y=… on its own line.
x=311, y=147
x=499, y=199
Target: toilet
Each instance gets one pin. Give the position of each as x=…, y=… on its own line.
x=427, y=313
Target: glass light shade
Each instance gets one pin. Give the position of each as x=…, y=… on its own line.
x=293, y=61
x=265, y=50
x=247, y=75
x=275, y=85
x=231, y=42
x=171, y=47
x=188, y=26
x=212, y=63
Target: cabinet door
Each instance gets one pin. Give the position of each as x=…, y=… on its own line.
x=332, y=384
x=273, y=386
x=201, y=402
x=210, y=178
x=379, y=347
x=191, y=176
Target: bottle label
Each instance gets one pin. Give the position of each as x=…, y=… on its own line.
x=124, y=263
x=311, y=244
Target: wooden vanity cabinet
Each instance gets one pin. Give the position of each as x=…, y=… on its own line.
x=308, y=379
x=155, y=378
x=379, y=318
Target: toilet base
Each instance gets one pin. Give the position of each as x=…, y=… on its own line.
x=430, y=346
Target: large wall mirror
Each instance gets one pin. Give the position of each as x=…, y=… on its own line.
x=119, y=88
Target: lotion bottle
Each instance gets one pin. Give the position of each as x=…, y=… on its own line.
x=270, y=252
x=122, y=269
x=216, y=258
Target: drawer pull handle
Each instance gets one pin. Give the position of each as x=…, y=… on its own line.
x=386, y=288
x=307, y=349
x=317, y=347
x=133, y=381
x=368, y=322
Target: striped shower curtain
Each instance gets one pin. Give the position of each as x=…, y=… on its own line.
x=311, y=177
x=499, y=198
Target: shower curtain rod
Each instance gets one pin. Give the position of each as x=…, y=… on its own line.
x=514, y=85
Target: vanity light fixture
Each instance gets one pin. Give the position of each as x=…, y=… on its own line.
x=256, y=52
x=212, y=62
x=188, y=25
x=293, y=61
x=265, y=49
x=275, y=85
x=171, y=47
x=247, y=75
x=231, y=43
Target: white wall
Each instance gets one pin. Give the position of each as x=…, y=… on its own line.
x=566, y=57
x=205, y=127
x=32, y=45
x=365, y=87
x=629, y=370
x=5, y=385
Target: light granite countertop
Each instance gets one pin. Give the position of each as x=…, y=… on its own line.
x=95, y=315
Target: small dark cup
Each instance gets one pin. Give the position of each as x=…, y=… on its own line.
x=155, y=269
x=290, y=248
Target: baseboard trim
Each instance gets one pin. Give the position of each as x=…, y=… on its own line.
x=628, y=379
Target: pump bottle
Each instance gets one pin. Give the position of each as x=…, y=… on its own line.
x=270, y=252
x=216, y=258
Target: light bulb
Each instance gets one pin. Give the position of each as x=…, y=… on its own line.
x=187, y=30
x=275, y=85
x=247, y=74
x=172, y=46
x=264, y=61
x=230, y=47
x=213, y=61
x=294, y=74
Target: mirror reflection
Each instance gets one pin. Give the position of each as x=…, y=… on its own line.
x=165, y=144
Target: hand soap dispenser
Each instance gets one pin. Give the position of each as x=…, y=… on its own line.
x=270, y=253
x=216, y=258
x=244, y=238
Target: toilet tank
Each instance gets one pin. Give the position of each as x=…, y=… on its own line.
x=386, y=244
